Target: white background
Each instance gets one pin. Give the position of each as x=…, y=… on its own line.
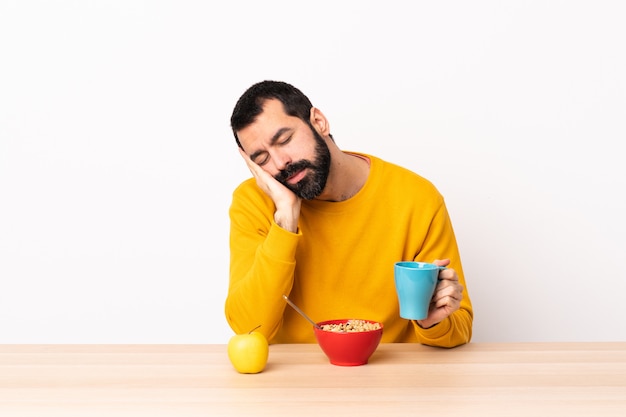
x=117, y=162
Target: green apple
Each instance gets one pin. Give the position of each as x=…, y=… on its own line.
x=248, y=352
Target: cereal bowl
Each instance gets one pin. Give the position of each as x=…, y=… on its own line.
x=348, y=342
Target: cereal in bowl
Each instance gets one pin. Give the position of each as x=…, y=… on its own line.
x=351, y=326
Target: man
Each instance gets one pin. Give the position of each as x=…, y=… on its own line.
x=325, y=227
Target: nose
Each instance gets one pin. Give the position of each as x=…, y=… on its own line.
x=280, y=160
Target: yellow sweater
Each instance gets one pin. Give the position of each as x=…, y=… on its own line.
x=340, y=263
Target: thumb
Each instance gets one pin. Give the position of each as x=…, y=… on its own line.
x=442, y=262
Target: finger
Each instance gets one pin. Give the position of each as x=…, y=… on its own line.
x=256, y=170
x=442, y=262
x=448, y=302
x=452, y=290
x=448, y=274
x=251, y=165
x=243, y=155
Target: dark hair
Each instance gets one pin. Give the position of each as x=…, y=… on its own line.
x=249, y=105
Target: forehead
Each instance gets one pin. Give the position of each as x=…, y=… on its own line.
x=268, y=123
x=273, y=111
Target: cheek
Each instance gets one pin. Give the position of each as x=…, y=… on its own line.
x=303, y=151
x=271, y=169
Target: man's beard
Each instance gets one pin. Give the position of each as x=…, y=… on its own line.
x=314, y=182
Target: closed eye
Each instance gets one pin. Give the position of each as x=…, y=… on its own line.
x=261, y=159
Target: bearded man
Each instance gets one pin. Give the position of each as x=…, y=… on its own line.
x=325, y=226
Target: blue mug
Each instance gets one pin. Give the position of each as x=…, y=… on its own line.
x=415, y=286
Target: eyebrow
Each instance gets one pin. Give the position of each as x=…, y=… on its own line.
x=273, y=141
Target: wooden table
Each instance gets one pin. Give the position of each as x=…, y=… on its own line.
x=479, y=379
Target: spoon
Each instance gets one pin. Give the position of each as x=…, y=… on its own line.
x=295, y=307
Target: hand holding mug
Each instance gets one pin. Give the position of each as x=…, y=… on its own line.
x=446, y=298
x=427, y=292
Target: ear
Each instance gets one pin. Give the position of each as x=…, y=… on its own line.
x=319, y=122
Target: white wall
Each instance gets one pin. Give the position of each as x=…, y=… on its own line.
x=117, y=162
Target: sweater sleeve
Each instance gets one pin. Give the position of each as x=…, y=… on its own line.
x=441, y=243
x=262, y=264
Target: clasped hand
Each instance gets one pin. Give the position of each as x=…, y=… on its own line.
x=447, y=297
x=286, y=202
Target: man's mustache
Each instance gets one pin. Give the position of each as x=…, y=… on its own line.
x=291, y=169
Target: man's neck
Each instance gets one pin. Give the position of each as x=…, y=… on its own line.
x=348, y=174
